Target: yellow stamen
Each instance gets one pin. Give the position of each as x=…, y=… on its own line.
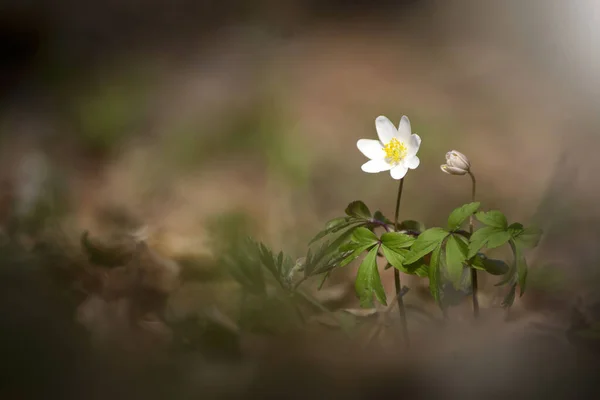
x=395, y=151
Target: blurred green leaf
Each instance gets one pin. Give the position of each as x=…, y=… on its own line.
x=509, y=299
x=492, y=218
x=378, y=216
x=528, y=238
x=358, y=209
x=521, y=270
x=411, y=225
x=515, y=229
x=461, y=214
x=491, y=266
x=335, y=225
x=368, y=281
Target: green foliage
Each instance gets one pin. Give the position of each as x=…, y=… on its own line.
x=461, y=214
x=426, y=243
x=368, y=281
x=358, y=209
x=434, y=273
x=456, y=255
x=497, y=233
x=492, y=218
x=491, y=266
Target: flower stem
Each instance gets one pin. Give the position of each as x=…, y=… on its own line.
x=473, y=270
x=397, y=284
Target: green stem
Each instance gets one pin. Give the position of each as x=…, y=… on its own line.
x=397, y=284
x=474, y=283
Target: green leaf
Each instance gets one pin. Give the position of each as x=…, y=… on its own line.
x=497, y=239
x=425, y=243
x=412, y=225
x=368, y=281
x=510, y=297
x=397, y=240
x=528, y=238
x=491, y=266
x=483, y=236
x=355, y=254
x=330, y=226
x=434, y=273
x=358, y=209
x=363, y=235
x=378, y=216
x=521, y=271
x=456, y=254
x=461, y=214
x=326, y=256
x=492, y=218
x=394, y=258
x=515, y=229
x=336, y=222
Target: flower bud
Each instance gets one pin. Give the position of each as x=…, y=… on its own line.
x=452, y=170
x=458, y=160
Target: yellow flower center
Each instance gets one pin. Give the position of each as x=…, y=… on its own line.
x=395, y=151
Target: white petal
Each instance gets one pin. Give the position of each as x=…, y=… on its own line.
x=399, y=171
x=413, y=144
x=375, y=166
x=412, y=162
x=385, y=129
x=452, y=170
x=404, y=129
x=371, y=149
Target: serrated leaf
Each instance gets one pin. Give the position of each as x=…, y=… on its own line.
x=368, y=281
x=397, y=240
x=492, y=218
x=434, y=273
x=425, y=243
x=480, y=238
x=335, y=225
x=358, y=209
x=461, y=214
x=355, y=254
x=528, y=238
x=324, y=259
x=363, y=235
x=456, y=254
x=497, y=239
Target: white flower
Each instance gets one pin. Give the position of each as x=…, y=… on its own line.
x=395, y=151
x=456, y=163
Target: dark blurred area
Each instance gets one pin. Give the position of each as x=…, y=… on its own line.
x=166, y=130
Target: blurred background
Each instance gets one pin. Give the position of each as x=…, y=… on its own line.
x=182, y=116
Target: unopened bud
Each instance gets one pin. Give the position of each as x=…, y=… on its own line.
x=452, y=170
x=456, y=163
x=458, y=160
